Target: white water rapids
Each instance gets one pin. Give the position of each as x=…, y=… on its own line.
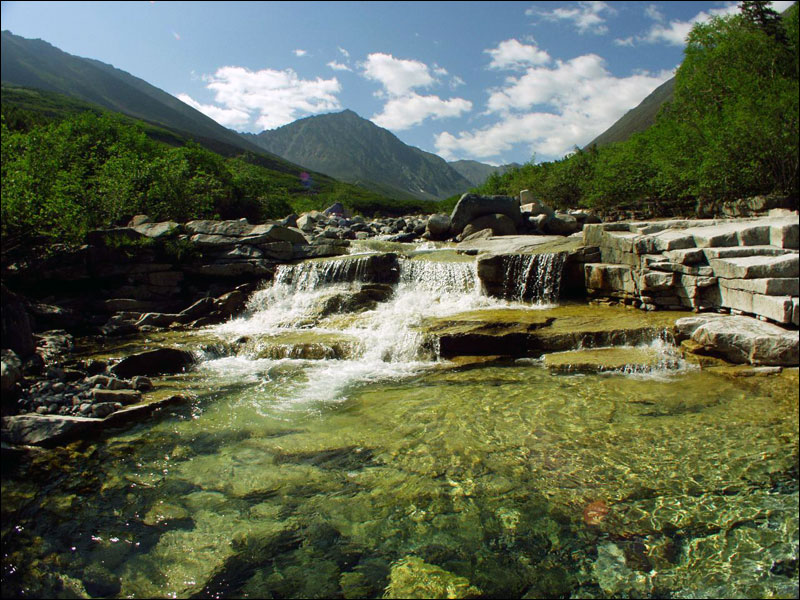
x=388, y=343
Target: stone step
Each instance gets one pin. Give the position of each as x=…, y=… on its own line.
x=756, y=267
x=775, y=286
x=781, y=309
x=741, y=251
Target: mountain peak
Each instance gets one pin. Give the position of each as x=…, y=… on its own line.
x=348, y=147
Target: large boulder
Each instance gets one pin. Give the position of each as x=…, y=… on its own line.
x=438, y=227
x=16, y=325
x=472, y=206
x=498, y=224
x=741, y=339
x=561, y=224
x=154, y=362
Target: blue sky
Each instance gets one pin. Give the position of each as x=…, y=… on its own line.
x=490, y=81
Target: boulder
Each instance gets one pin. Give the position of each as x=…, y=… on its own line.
x=16, y=326
x=533, y=206
x=499, y=224
x=236, y=228
x=741, y=339
x=154, y=362
x=438, y=227
x=306, y=223
x=274, y=233
x=157, y=230
x=472, y=206
x=561, y=224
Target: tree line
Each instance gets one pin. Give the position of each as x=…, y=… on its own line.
x=731, y=130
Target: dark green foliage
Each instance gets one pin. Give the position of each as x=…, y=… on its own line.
x=730, y=131
x=92, y=169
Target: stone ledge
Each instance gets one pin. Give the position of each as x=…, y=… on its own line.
x=55, y=430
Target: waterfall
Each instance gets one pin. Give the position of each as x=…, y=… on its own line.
x=534, y=277
x=440, y=276
x=310, y=275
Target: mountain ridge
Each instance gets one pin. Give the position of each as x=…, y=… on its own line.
x=353, y=149
x=36, y=63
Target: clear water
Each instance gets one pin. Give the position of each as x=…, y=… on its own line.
x=390, y=473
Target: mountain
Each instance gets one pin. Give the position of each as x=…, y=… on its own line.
x=352, y=149
x=477, y=172
x=637, y=119
x=37, y=64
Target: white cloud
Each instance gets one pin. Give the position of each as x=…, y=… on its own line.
x=675, y=32
x=337, y=66
x=552, y=109
x=456, y=81
x=654, y=12
x=412, y=109
x=587, y=16
x=269, y=98
x=512, y=54
x=628, y=41
x=229, y=117
x=344, y=52
x=398, y=76
x=300, y=52
x=404, y=106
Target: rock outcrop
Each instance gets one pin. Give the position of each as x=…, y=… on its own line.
x=745, y=266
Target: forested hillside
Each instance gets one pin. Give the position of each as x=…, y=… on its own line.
x=730, y=131
x=69, y=166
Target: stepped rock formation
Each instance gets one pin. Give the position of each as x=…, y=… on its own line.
x=743, y=265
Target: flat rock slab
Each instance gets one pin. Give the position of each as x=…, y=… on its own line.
x=756, y=267
x=521, y=244
x=741, y=339
x=600, y=360
x=521, y=332
x=53, y=430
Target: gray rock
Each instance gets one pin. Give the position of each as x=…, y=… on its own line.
x=756, y=267
x=157, y=230
x=498, y=224
x=274, y=233
x=438, y=227
x=741, y=339
x=123, y=397
x=236, y=228
x=561, y=224
x=472, y=206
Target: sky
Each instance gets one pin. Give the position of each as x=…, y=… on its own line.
x=496, y=82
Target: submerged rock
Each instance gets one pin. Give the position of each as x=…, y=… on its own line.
x=411, y=577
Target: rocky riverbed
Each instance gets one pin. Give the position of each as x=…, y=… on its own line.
x=497, y=413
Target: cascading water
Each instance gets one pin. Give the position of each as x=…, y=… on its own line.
x=534, y=277
x=387, y=340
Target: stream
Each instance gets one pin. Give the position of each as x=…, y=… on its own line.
x=332, y=453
